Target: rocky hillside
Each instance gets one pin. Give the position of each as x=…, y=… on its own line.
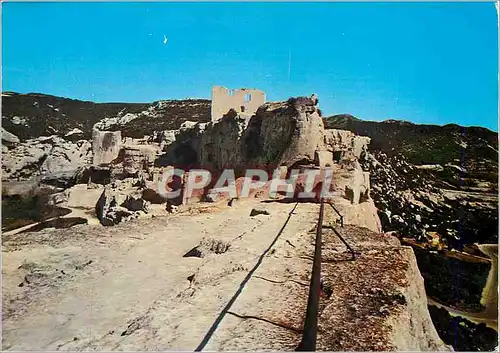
x=474, y=149
x=429, y=178
x=33, y=115
x=436, y=188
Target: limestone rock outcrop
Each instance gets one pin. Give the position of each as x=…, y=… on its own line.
x=9, y=138
x=379, y=301
x=108, y=209
x=138, y=158
x=343, y=142
x=52, y=158
x=221, y=143
x=65, y=161
x=359, y=186
x=281, y=133
x=120, y=201
x=106, y=146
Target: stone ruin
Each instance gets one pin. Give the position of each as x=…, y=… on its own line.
x=244, y=100
x=106, y=146
x=288, y=134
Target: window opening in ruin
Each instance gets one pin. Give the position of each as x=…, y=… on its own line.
x=242, y=108
x=248, y=97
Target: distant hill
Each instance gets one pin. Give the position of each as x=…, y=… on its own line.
x=32, y=115
x=474, y=148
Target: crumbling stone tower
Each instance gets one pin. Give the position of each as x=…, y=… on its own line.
x=244, y=100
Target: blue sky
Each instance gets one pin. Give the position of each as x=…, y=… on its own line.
x=423, y=62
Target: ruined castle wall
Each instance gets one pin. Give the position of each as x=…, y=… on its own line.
x=243, y=100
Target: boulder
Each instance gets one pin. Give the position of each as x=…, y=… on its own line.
x=359, y=188
x=339, y=142
x=74, y=135
x=65, y=161
x=120, y=201
x=258, y=211
x=9, y=138
x=136, y=204
x=108, y=209
x=54, y=159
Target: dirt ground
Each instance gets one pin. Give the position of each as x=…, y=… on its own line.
x=129, y=287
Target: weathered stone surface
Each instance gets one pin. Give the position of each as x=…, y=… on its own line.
x=65, y=161
x=221, y=143
x=208, y=246
x=106, y=146
x=24, y=161
x=138, y=158
x=287, y=133
x=304, y=139
x=111, y=213
x=281, y=133
x=104, y=204
x=23, y=187
x=342, y=141
x=379, y=301
x=52, y=158
x=119, y=201
x=359, y=187
x=9, y=138
x=136, y=204
x=74, y=135
x=120, y=119
x=164, y=138
x=324, y=158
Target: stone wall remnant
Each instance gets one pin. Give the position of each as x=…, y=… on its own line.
x=244, y=100
x=106, y=146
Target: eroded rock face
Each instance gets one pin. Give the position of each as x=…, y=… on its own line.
x=138, y=158
x=120, y=201
x=287, y=133
x=9, y=138
x=342, y=141
x=65, y=161
x=413, y=329
x=279, y=133
x=379, y=301
x=52, y=158
x=106, y=146
x=359, y=187
x=221, y=143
